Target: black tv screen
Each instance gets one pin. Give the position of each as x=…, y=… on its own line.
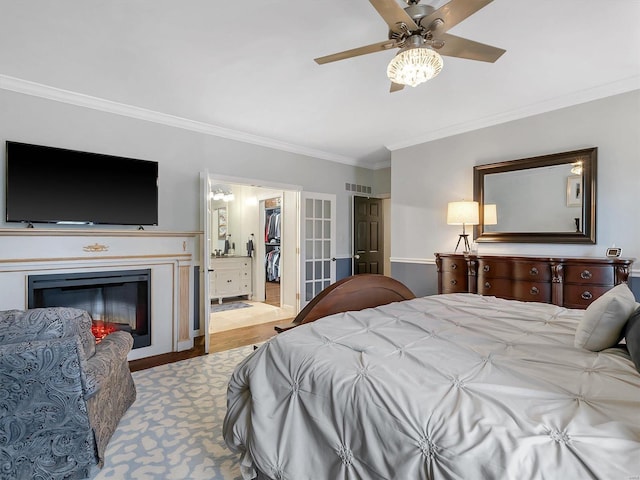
x=55, y=185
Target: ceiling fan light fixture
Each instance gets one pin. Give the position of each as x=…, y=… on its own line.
x=414, y=65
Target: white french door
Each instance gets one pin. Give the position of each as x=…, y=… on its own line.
x=318, y=244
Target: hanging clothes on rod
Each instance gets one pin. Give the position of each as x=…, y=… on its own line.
x=272, y=226
x=272, y=233
x=272, y=264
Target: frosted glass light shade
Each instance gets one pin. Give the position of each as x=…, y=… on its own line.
x=414, y=66
x=222, y=194
x=490, y=214
x=463, y=213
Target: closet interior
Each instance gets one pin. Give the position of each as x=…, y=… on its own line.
x=273, y=249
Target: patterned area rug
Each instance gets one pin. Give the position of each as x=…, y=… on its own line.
x=174, y=428
x=224, y=307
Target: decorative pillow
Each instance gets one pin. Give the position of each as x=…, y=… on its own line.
x=632, y=334
x=603, y=321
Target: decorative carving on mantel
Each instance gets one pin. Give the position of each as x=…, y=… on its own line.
x=96, y=247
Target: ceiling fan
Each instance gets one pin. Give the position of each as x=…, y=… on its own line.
x=420, y=33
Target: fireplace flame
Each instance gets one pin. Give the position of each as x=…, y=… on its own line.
x=101, y=329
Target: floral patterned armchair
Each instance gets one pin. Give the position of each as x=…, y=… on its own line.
x=61, y=395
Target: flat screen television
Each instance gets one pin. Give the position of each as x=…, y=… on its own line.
x=55, y=185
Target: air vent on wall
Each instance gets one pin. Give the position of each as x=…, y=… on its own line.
x=352, y=187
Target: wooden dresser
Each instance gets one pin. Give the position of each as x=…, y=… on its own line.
x=565, y=281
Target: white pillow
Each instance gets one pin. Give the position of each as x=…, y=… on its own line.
x=605, y=318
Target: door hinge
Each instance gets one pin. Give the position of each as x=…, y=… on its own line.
x=297, y=296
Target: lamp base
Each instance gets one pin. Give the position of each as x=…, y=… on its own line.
x=464, y=236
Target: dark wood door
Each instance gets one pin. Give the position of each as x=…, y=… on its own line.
x=368, y=235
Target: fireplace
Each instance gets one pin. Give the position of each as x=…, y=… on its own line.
x=116, y=300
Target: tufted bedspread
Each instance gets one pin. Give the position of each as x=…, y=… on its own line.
x=445, y=387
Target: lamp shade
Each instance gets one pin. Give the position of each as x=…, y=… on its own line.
x=490, y=214
x=463, y=213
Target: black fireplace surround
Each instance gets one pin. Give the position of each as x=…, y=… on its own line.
x=116, y=300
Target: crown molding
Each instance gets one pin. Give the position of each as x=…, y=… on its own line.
x=582, y=96
x=27, y=87
x=95, y=103
x=380, y=165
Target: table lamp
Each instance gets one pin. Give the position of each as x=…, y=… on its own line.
x=463, y=213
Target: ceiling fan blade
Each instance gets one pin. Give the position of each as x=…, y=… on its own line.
x=453, y=13
x=355, y=52
x=395, y=87
x=394, y=15
x=464, y=48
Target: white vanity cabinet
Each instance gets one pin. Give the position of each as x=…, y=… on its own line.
x=230, y=277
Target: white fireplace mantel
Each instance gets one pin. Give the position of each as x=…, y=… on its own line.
x=169, y=255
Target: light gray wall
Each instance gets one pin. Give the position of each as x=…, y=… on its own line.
x=421, y=279
x=181, y=154
x=382, y=180
x=426, y=177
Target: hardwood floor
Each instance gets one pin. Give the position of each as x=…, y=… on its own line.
x=239, y=337
x=219, y=342
x=272, y=293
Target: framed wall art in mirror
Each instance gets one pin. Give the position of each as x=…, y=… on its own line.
x=546, y=199
x=223, y=224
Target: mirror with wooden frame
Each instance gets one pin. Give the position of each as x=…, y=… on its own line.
x=546, y=199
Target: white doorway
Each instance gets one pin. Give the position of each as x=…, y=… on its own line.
x=237, y=236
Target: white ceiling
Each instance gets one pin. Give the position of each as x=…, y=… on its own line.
x=245, y=69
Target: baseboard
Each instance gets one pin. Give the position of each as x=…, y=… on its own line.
x=185, y=345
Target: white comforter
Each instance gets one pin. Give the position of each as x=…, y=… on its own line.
x=445, y=387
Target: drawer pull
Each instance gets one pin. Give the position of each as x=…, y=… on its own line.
x=454, y=282
x=454, y=266
x=586, y=295
x=534, y=291
x=487, y=285
x=486, y=268
x=533, y=271
x=586, y=274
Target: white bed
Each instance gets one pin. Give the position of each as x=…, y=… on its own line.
x=454, y=386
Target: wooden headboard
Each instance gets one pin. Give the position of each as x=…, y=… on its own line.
x=350, y=294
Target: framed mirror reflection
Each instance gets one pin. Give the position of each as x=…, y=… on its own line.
x=545, y=199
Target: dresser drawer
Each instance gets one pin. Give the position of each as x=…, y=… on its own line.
x=581, y=296
x=453, y=264
x=454, y=282
x=532, y=291
x=536, y=272
x=493, y=268
x=498, y=287
x=591, y=274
